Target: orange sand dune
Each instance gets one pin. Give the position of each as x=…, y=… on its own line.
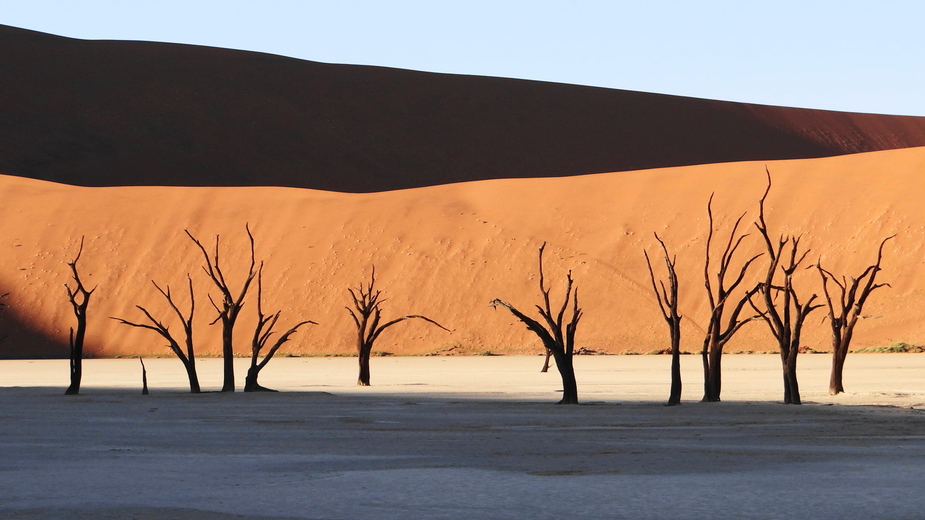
x=110, y=113
x=446, y=251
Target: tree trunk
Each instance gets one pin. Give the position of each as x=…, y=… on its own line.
x=712, y=375
x=569, y=384
x=363, y=380
x=250, y=381
x=76, y=369
x=704, y=357
x=791, y=386
x=716, y=374
x=675, y=396
x=144, y=378
x=787, y=398
x=192, y=376
x=792, y=383
x=228, y=357
x=838, y=367
x=77, y=354
x=785, y=368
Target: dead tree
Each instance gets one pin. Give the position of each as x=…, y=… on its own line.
x=230, y=305
x=188, y=358
x=144, y=377
x=781, y=307
x=721, y=327
x=546, y=362
x=844, y=313
x=262, y=333
x=667, y=298
x=366, y=314
x=79, y=297
x=556, y=339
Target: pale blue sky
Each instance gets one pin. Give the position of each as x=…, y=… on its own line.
x=838, y=55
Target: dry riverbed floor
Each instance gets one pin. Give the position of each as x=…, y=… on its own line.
x=462, y=437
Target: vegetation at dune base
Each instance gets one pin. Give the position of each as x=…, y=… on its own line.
x=900, y=347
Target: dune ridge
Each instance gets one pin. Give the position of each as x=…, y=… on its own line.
x=446, y=251
x=110, y=113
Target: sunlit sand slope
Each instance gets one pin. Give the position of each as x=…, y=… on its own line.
x=446, y=251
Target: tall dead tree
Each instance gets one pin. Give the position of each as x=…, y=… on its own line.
x=79, y=297
x=188, y=358
x=781, y=307
x=845, y=312
x=722, y=326
x=667, y=298
x=366, y=314
x=557, y=336
x=262, y=334
x=230, y=304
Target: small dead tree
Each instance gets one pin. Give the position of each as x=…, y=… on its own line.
x=557, y=337
x=144, y=377
x=721, y=327
x=667, y=298
x=366, y=314
x=546, y=362
x=262, y=333
x=845, y=312
x=781, y=307
x=188, y=358
x=79, y=297
x=230, y=305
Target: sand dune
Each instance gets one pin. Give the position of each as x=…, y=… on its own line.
x=103, y=113
x=446, y=251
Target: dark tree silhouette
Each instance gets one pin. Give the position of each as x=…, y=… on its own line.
x=844, y=313
x=79, y=297
x=262, y=333
x=366, y=314
x=782, y=309
x=230, y=305
x=144, y=377
x=556, y=339
x=188, y=358
x=720, y=293
x=667, y=298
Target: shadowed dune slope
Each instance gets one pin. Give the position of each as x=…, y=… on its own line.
x=446, y=251
x=109, y=113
